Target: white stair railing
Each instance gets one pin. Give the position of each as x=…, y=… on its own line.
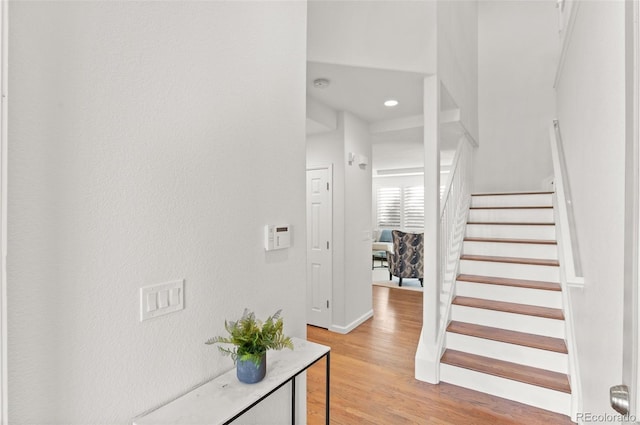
x=454, y=208
x=570, y=269
x=567, y=239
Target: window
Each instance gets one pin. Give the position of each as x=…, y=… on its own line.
x=389, y=200
x=413, y=208
x=401, y=208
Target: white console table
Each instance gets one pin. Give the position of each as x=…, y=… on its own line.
x=224, y=399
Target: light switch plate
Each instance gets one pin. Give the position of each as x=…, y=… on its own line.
x=160, y=299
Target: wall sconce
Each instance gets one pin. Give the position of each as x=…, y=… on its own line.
x=362, y=161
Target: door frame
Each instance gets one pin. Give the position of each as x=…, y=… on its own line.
x=631, y=303
x=4, y=27
x=328, y=167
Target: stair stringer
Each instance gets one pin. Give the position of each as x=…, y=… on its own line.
x=574, y=369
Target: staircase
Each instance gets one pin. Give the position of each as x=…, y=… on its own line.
x=507, y=333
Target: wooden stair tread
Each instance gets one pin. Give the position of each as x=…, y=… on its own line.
x=513, y=207
x=511, y=260
x=516, y=372
x=507, y=240
x=528, y=310
x=509, y=223
x=511, y=337
x=511, y=193
x=520, y=283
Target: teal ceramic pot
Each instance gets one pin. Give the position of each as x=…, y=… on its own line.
x=249, y=373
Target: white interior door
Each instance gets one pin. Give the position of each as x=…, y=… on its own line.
x=319, y=246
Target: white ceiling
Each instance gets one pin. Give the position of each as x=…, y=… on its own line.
x=362, y=91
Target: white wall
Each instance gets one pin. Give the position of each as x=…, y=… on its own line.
x=397, y=154
x=358, y=227
x=395, y=34
x=591, y=96
x=145, y=146
x=518, y=51
x=352, y=224
x=457, y=27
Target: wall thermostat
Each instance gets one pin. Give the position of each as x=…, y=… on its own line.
x=277, y=236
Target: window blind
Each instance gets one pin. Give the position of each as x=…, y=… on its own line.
x=413, y=209
x=389, y=209
x=401, y=208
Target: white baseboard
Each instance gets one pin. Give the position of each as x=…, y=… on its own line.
x=351, y=326
x=427, y=366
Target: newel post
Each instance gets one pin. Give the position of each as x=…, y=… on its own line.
x=428, y=355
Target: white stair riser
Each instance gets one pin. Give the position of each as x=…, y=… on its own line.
x=504, y=249
x=509, y=321
x=510, y=294
x=522, y=200
x=538, y=215
x=509, y=270
x=543, y=398
x=511, y=231
x=542, y=359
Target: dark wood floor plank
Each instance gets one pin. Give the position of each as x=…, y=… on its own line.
x=519, y=241
x=511, y=260
x=527, y=374
x=511, y=337
x=511, y=193
x=513, y=207
x=519, y=283
x=372, y=377
x=529, y=310
x=509, y=223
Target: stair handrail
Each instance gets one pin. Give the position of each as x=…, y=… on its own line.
x=567, y=239
x=454, y=208
x=570, y=270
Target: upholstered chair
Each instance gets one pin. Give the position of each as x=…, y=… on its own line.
x=407, y=259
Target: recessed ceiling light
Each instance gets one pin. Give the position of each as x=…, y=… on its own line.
x=391, y=103
x=321, y=83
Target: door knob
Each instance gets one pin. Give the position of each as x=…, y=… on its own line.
x=619, y=397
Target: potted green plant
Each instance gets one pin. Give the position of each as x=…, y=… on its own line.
x=251, y=339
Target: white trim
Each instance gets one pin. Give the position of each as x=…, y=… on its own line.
x=635, y=326
x=351, y=326
x=320, y=167
x=568, y=271
x=427, y=366
x=565, y=227
x=472, y=141
x=566, y=39
x=403, y=123
x=630, y=327
x=427, y=358
x=569, y=327
x=4, y=404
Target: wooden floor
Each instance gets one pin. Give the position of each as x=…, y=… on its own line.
x=372, y=377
